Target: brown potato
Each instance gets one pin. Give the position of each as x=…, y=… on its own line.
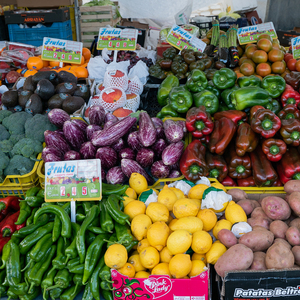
x=258, y=240
x=255, y=203
x=278, y=228
x=237, y=194
x=258, y=212
x=279, y=256
x=247, y=205
x=293, y=236
x=294, y=202
x=258, y=261
x=296, y=252
x=276, y=208
x=292, y=186
x=282, y=241
x=295, y=223
x=227, y=238
x=259, y=222
x=258, y=228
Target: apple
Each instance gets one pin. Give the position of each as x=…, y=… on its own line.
x=112, y=95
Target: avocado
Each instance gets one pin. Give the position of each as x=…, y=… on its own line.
x=57, y=100
x=45, y=89
x=64, y=76
x=24, y=97
x=50, y=75
x=10, y=98
x=34, y=105
x=83, y=91
x=20, y=90
x=29, y=85
x=66, y=87
x=71, y=104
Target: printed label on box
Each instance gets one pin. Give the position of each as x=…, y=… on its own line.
x=296, y=47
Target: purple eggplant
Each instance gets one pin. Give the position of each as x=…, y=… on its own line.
x=133, y=141
x=160, y=133
x=127, y=153
x=119, y=145
x=95, y=134
x=183, y=126
x=147, y=131
x=171, y=155
x=110, y=116
x=51, y=150
x=91, y=129
x=175, y=166
x=130, y=166
x=72, y=155
x=96, y=115
x=58, y=117
x=174, y=174
x=88, y=150
x=110, y=123
x=103, y=175
x=145, y=157
x=56, y=140
x=108, y=157
x=157, y=122
x=61, y=132
x=81, y=124
x=159, y=147
x=50, y=157
x=115, y=176
x=160, y=170
x=74, y=135
x=173, y=131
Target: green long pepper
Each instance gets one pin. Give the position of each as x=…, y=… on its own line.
x=13, y=266
x=61, y=280
x=71, y=251
x=47, y=282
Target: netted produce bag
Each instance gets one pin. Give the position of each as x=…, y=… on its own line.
x=112, y=98
x=135, y=86
x=115, y=78
x=133, y=101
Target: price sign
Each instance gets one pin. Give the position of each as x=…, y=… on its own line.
x=250, y=34
x=181, y=39
x=73, y=180
x=296, y=47
x=117, y=39
x=61, y=50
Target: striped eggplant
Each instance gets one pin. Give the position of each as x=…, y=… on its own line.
x=133, y=141
x=58, y=117
x=50, y=157
x=174, y=174
x=182, y=124
x=81, y=124
x=88, y=150
x=56, y=140
x=52, y=150
x=108, y=157
x=171, y=155
x=110, y=123
x=96, y=115
x=147, y=130
x=130, y=166
x=173, y=131
x=109, y=117
x=119, y=145
x=157, y=122
x=160, y=170
x=72, y=155
x=127, y=153
x=115, y=176
x=145, y=157
x=160, y=133
x=74, y=135
x=159, y=147
x=91, y=129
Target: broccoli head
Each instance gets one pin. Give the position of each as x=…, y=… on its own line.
x=35, y=127
x=4, y=135
x=19, y=165
x=4, y=114
x=28, y=148
x=14, y=138
x=15, y=123
x=4, y=161
x=6, y=146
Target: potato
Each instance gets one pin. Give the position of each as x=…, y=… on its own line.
x=278, y=228
x=296, y=252
x=282, y=241
x=237, y=257
x=276, y=208
x=279, y=256
x=255, y=203
x=294, y=202
x=258, y=261
x=247, y=205
x=259, y=222
x=292, y=186
x=257, y=240
x=295, y=223
x=258, y=212
x=293, y=236
x=258, y=228
x=227, y=238
x=237, y=194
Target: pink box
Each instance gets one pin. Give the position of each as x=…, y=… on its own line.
x=158, y=286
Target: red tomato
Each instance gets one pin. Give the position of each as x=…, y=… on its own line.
x=297, y=66
x=292, y=64
x=287, y=57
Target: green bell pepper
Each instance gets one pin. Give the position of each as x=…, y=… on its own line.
x=273, y=105
x=223, y=107
x=208, y=99
x=196, y=81
x=225, y=95
x=224, y=78
x=180, y=99
x=274, y=85
x=249, y=81
x=167, y=111
x=165, y=89
x=213, y=89
x=249, y=97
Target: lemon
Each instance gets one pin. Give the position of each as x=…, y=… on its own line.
x=198, y=267
x=196, y=192
x=165, y=255
x=142, y=274
x=170, y=219
x=219, y=186
x=140, y=225
x=142, y=245
x=115, y=256
x=136, y=262
x=180, y=265
x=171, y=224
x=131, y=193
x=127, y=200
x=202, y=242
x=149, y=257
x=198, y=256
x=157, y=235
x=191, y=224
x=179, y=193
x=197, y=202
x=167, y=197
x=179, y=241
x=157, y=212
x=234, y=213
x=161, y=269
x=208, y=217
x=127, y=270
x=221, y=224
x=138, y=182
x=220, y=210
x=134, y=252
x=134, y=208
x=217, y=249
x=185, y=208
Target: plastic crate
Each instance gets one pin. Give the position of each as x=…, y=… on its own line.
x=241, y=22
x=34, y=36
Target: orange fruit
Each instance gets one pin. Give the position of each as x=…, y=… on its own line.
x=122, y=112
x=113, y=96
x=81, y=62
x=34, y=62
x=72, y=72
x=81, y=72
x=86, y=53
x=30, y=72
x=54, y=64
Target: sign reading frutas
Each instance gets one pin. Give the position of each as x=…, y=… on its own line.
x=73, y=180
x=61, y=50
x=249, y=34
x=296, y=47
x=181, y=39
x=117, y=39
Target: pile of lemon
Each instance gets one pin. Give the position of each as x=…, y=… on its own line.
x=164, y=241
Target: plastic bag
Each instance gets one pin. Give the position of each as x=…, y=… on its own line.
x=181, y=185
x=215, y=199
x=122, y=66
x=141, y=71
x=146, y=53
x=97, y=67
x=240, y=229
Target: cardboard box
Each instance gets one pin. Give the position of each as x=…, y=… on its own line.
x=285, y=37
x=44, y=3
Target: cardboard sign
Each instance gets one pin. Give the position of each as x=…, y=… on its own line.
x=73, y=180
x=249, y=34
x=117, y=39
x=181, y=39
x=61, y=50
x=296, y=47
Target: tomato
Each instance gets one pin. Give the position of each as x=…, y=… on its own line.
x=275, y=55
x=247, y=69
x=250, y=50
x=278, y=67
x=297, y=66
x=260, y=56
x=263, y=69
x=265, y=36
x=264, y=44
x=287, y=57
x=291, y=64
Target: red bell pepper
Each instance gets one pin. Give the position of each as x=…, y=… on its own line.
x=246, y=139
x=274, y=149
x=254, y=110
x=277, y=183
x=9, y=202
x=199, y=122
x=246, y=182
x=228, y=181
x=9, y=227
x=237, y=116
x=192, y=163
x=217, y=166
x=205, y=140
x=293, y=79
x=3, y=241
x=288, y=167
x=18, y=227
x=290, y=132
x=290, y=96
x=2, y=223
x=290, y=111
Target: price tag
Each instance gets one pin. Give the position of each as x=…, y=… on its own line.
x=78, y=180
x=117, y=39
x=296, y=47
x=249, y=34
x=181, y=39
x=61, y=50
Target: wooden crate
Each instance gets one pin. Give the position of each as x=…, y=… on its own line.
x=92, y=18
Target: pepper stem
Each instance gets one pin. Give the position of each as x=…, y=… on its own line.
x=128, y=222
x=274, y=149
x=296, y=176
x=240, y=169
x=291, y=101
x=214, y=173
x=53, y=287
x=195, y=169
x=2, y=206
x=44, y=294
x=199, y=125
x=6, y=232
x=267, y=124
x=295, y=135
x=290, y=116
x=27, y=266
x=268, y=182
x=31, y=287
x=66, y=261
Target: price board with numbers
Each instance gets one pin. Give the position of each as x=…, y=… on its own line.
x=295, y=42
x=117, y=39
x=61, y=50
x=78, y=180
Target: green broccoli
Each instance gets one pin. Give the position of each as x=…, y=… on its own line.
x=19, y=165
x=28, y=148
x=4, y=161
x=35, y=127
x=16, y=137
x=4, y=135
x=15, y=123
x=4, y=114
x=6, y=146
